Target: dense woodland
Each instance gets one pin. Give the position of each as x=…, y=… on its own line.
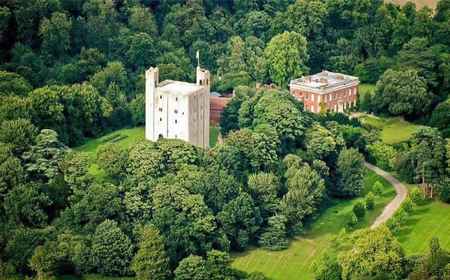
x=73, y=69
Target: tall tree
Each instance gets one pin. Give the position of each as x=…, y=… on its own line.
x=55, y=34
x=150, y=261
x=402, y=93
x=286, y=56
x=350, y=173
x=112, y=250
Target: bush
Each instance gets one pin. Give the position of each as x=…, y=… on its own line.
x=370, y=201
x=377, y=188
x=407, y=205
x=417, y=196
x=359, y=209
x=352, y=220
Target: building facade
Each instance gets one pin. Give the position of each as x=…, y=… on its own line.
x=217, y=105
x=177, y=110
x=326, y=91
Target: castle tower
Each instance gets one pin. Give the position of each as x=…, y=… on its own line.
x=177, y=110
x=204, y=79
x=151, y=83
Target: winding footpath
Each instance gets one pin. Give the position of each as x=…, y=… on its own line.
x=400, y=189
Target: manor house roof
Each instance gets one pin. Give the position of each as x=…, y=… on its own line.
x=324, y=80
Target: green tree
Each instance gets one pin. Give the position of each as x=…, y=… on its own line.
x=92, y=206
x=141, y=20
x=369, y=201
x=402, y=93
x=327, y=267
x=240, y=219
x=55, y=34
x=191, y=268
x=20, y=134
x=42, y=161
x=26, y=205
x=440, y=117
x=275, y=235
x=13, y=84
x=305, y=191
x=11, y=171
x=372, y=253
x=150, y=261
x=383, y=154
x=264, y=189
x=183, y=219
x=320, y=142
x=350, y=173
x=112, y=159
x=112, y=250
x=286, y=56
x=359, y=208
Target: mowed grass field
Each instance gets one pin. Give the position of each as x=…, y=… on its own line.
x=393, y=130
x=426, y=221
x=297, y=261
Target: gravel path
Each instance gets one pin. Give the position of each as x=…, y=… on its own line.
x=401, y=190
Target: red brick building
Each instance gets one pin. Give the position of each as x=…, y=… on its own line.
x=326, y=91
x=217, y=104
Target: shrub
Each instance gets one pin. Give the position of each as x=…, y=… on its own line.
x=370, y=201
x=352, y=220
x=407, y=205
x=377, y=188
x=417, y=196
x=359, y=209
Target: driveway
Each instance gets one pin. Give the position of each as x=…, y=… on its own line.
x=400, y=189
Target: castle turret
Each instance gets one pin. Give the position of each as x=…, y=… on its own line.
x=151, y=83
x=204, y=79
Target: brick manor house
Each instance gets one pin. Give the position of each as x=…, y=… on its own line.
x=326, y=91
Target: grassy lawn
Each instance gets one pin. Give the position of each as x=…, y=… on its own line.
x=123, y=137
x=296, y=262
x=213, y=135
x=393, y=130
x=427, y=221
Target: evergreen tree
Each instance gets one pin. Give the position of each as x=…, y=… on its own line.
x=150, y=261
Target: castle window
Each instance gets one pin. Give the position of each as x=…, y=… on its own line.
x=160, y=136
x=160, y=109
x=176, y=121
x=160, y=97
x=175, y=111
x=160, y=119
x=176, y=98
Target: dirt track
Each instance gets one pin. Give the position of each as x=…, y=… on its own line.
x=401, y=190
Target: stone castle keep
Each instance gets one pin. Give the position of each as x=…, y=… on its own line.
x=326, y=91
x=177, y=110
